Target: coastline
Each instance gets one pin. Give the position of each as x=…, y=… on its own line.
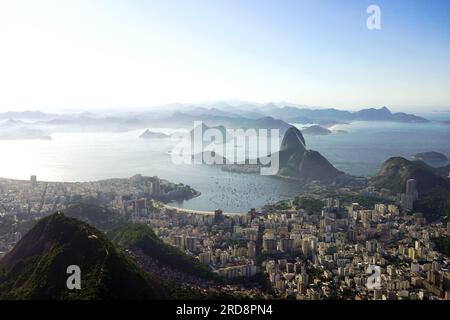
x=200, y=212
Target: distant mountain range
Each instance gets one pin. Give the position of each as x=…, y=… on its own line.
x=230, y=115
x=19, y=130
x=224, y=114
x=27, y=115
x=183, y=119
x=308, y=115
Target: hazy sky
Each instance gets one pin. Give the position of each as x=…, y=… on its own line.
x=106, y=54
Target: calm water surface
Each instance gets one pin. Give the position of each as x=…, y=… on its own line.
x=94, y=156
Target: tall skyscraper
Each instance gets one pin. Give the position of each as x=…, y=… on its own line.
x=411, y=194
x=218, y=216
x=411, y=188
x=191, y=243
x=156, y=186
x=251, y=247
x=148, y=188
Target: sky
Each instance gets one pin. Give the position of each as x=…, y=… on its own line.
x=94, y=54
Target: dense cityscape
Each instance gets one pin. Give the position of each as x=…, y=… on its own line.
x=311, y=247
x=27, y=201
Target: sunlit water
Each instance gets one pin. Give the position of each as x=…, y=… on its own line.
x=94, y=156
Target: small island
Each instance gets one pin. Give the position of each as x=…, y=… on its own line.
x=147, y=134
x=316, y=130
x=340, y=131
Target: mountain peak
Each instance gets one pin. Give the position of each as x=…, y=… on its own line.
x=36, y=267
x=293, y=140
x=296, y=161
x=395, y=171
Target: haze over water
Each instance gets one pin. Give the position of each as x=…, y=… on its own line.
x=95, y=156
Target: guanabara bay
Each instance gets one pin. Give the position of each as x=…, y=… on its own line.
x=224, y=158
